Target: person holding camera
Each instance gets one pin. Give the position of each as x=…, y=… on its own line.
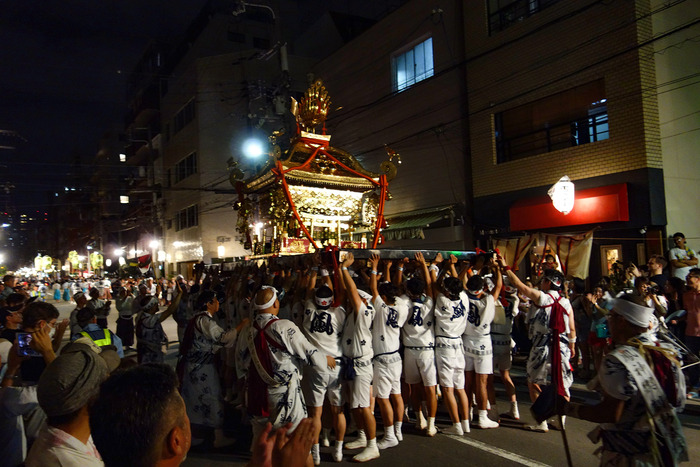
x=17, y=401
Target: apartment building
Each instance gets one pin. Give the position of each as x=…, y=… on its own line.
x=573, y=88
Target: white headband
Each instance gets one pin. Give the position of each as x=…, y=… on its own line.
x=638, y=315
x=324, y=301
x=270, y=302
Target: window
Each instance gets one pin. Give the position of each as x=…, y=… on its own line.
x=571, y=118
x=414, y=65
x=504, y=13
x=186, y=218
x=186, y=167
x=184, y=116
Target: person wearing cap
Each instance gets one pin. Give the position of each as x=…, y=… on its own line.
x=18, y=401
x=276, y=348
x=144, y=427
x=681, y=257
x=358, y=371
x=638, y=421
x=323, y=324
x=149, y=328
x=540, y=333
x=80, y=303
x=65, y=390
x=102, y=337
x=201, y=387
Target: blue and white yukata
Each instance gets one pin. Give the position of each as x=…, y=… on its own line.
x=285, y=401
x=539, y=360
x=625, y=375
x=201, y=388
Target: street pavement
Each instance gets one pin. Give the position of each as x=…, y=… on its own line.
x=508, y=445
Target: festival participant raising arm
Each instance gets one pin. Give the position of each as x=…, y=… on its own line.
x=391, y=314
x=540, y=333
x=358, y=352
x=323, y=324
x=418, y=338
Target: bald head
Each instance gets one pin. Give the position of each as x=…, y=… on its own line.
x=266, y=301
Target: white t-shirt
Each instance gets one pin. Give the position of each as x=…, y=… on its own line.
x=681, y=253
x=324, y=328
x=388, y=321
x=418, y=330
x=357, y=334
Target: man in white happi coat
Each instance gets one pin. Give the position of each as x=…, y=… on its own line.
x=478, y=352
x=277, y=349
x=451, y=308
x=323, y=325
x=418, y=337
x=390, y=315
x=358, y=352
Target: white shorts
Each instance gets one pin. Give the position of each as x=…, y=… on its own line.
x=450, y=367
x=503, y=361
x=357, y=390
x=319, y=382
x=481, y=364
x=387, y=375
x=419, y=366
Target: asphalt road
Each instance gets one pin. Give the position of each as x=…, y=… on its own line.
x=505, y=446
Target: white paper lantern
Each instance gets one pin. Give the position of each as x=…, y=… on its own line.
x=562, y=194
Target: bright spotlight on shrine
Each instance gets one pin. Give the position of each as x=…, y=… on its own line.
x=253, y=148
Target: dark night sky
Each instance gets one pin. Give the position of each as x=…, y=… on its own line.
x=63, y=65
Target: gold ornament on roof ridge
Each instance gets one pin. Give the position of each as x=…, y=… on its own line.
x=313, y=108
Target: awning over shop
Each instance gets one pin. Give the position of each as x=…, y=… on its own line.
x=409, y=225
x=592, y=206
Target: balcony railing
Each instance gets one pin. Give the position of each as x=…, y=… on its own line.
x=515, y=12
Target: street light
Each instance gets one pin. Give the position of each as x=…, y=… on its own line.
x=253, y=148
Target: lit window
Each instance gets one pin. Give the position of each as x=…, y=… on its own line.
x=414, y=65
